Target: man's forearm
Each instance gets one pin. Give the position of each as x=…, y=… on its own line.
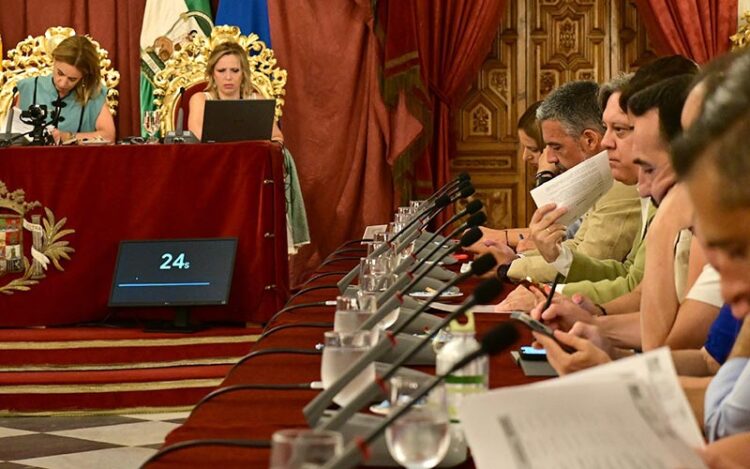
x=627, y=303
x=623, y=330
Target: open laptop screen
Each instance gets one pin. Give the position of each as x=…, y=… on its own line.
x=236, y=120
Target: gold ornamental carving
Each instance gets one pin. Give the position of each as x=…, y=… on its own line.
x=742, y=37
x=481, y=121
x=187, y=68
x=32, y=57
x=47, y=243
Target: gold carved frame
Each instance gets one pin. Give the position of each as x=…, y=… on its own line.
x=742, y=38
x=187, y=68
x=33, y=57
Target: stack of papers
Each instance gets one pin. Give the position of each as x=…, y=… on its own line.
x=628, y=414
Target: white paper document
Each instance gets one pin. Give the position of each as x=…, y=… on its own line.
x=577, y=188
x=614, y=417
x=17, y=126
x=372, y=229
x=449, y=308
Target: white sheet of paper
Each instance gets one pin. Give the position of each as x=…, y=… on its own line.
x=449, y=308
x=577, y=188
x=657, y=369
x=17, y=126
x=602, y=424
x=372, y=229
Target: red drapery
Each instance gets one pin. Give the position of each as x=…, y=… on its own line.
x=432, y=51
x=116, y=25
x=698, y=29
x=335, y=122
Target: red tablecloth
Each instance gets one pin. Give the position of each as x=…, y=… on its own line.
x=113, y=193
x=254, y=414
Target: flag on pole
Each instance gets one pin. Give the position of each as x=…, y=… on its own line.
x=166, y=24
x=251, y=16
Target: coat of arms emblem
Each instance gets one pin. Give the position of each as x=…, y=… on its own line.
x=30, y=239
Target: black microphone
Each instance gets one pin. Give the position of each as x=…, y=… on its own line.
x=317, y=406
x=393, y=296
x=498, y=339
x=407, y=234
x=471, y=208
x=484, y=293
x=179, y=135
x=461, y=177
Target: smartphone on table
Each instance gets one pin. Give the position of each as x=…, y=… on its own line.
x=528, y=352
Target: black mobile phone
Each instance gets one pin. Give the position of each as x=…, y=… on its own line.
x=537, y=326
x=533, y=354
x=532, y=323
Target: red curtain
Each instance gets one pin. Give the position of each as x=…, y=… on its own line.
x=433, y=50
x=335, y=123
x=116, y=25
x=698, y=29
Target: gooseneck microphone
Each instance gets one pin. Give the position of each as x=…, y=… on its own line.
x=471, y=208
x=413, y=229
x=180, y=135
x=483, y=294
x=498, y=339
x=317, y=406
x=392, y=295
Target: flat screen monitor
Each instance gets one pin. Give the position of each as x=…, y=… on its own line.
x=237, y=120
x=173, y=272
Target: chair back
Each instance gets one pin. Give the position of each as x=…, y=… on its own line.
x=187, y=69
x=32, y=57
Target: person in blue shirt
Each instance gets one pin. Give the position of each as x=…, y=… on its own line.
x=75, y=86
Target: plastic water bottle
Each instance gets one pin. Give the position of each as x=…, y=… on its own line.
x=474, y=377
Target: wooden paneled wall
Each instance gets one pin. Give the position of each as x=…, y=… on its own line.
x=540, y=45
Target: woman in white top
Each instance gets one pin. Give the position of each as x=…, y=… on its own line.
x=228, y=74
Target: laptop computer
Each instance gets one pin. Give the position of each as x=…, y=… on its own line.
x=236, y=120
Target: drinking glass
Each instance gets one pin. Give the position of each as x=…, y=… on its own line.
x=340, y=351
x=386, y=283
x=151, y=125
x=304, y=448
x=420, y=438
x=349, y=316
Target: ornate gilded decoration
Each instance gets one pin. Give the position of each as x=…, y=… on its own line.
x=47, y=244
x=187, y=68
x=33, y=57
x=742, y=38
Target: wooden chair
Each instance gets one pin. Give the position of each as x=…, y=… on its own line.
x=186, y=69
x=33, y=57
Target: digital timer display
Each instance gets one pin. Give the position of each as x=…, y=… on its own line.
x=173, y=272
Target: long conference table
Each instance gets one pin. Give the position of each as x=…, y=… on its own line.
x=112, y=193
x=267, y=390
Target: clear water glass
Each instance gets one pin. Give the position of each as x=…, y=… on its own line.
x=420, y=438
x=298, y=448
x=391, y=317
x=151, y=125
x=349, y=317
x=340, y=351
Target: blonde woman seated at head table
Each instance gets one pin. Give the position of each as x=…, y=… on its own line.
x=228, y=74
x=76, y=81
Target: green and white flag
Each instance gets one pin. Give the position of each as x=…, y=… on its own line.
x=166, y=24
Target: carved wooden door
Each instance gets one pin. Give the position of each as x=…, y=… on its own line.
x=540, y=45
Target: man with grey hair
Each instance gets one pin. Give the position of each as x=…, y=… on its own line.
x=572, y=128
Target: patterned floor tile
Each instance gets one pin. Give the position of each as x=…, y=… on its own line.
x=16, y=448
x=129, y=434
x=120, y=458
